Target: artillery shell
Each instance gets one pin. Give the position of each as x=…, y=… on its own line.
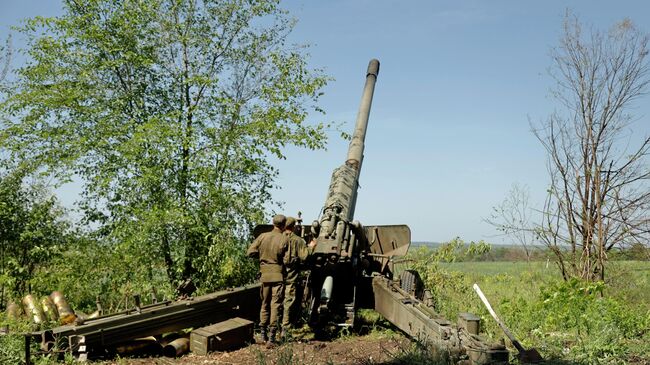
x=49, y=309
x=177, y=347
x=66, y=314
x=33, y=309
x=170, y=337
x=14, y=311
x=139, y=346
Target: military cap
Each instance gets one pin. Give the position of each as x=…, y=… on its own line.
x=291, y=221
x=279, y=220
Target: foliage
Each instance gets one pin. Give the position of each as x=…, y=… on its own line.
x=570, y=321
x=226, y=264
x=427, y=262
x=12, y=345
x=636, y=252
x=167, y=110
x=370, y=322
x=90, y=270
x=592, y=327
x=33, y=231
x=599, y=196
x=40, y=253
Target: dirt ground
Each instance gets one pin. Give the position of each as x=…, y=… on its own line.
x=353, y=350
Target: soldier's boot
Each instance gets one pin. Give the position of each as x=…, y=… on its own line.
x=271, y=341
x=285, y=335
x=264, y=337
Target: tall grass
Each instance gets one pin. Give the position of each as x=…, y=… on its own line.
x=583, y=323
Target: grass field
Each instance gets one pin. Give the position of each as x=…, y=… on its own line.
x=628, y=280
x=575, y=322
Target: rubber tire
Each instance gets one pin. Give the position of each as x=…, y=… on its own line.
x=411, y=283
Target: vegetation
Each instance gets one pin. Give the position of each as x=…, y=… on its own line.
x=604, y=322
x=513, y=215
x=594, y=217
x=33, y=232
x=598, y=198
x=167, y=112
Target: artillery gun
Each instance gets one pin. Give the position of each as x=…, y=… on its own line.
x=344, y=257
x=351, y=267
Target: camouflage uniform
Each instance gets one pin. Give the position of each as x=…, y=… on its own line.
x=297, y=253
x=271, y=247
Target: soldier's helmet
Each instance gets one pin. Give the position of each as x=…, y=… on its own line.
x=279, y=220
x=291, y=221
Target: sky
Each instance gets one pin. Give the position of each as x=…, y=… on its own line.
x=449, y=131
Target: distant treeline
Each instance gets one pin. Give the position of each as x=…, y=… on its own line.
x=636, y=252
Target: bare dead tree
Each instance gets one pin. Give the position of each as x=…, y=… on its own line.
x=513, y=217
x=599, y=195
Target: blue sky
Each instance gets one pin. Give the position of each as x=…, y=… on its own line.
x=449, y=129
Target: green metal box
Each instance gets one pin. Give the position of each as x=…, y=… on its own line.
x=470, y=322
x=223, y=336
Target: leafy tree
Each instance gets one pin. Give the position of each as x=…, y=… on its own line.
x=599, y=196
x=33, y=231
x=89, y=269
x=167, y=110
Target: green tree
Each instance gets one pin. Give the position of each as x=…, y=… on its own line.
x=33, y=231
x=167, y=110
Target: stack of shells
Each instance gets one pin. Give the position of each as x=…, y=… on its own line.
x=52, y=308
x=55, y=308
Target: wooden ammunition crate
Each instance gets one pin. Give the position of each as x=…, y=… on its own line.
x=226, y=335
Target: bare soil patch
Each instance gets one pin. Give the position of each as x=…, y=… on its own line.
x=353, y=350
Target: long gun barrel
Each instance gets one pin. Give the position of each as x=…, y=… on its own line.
x=340, y=242
x=355, y=152
x=341, y=198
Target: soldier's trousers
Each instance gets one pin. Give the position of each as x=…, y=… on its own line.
x=271, y=294
x=290, y=286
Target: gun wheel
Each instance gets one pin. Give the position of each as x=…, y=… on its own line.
x=411, y=283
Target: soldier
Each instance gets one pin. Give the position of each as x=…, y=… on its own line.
x=270, y=248
x=297, y=253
